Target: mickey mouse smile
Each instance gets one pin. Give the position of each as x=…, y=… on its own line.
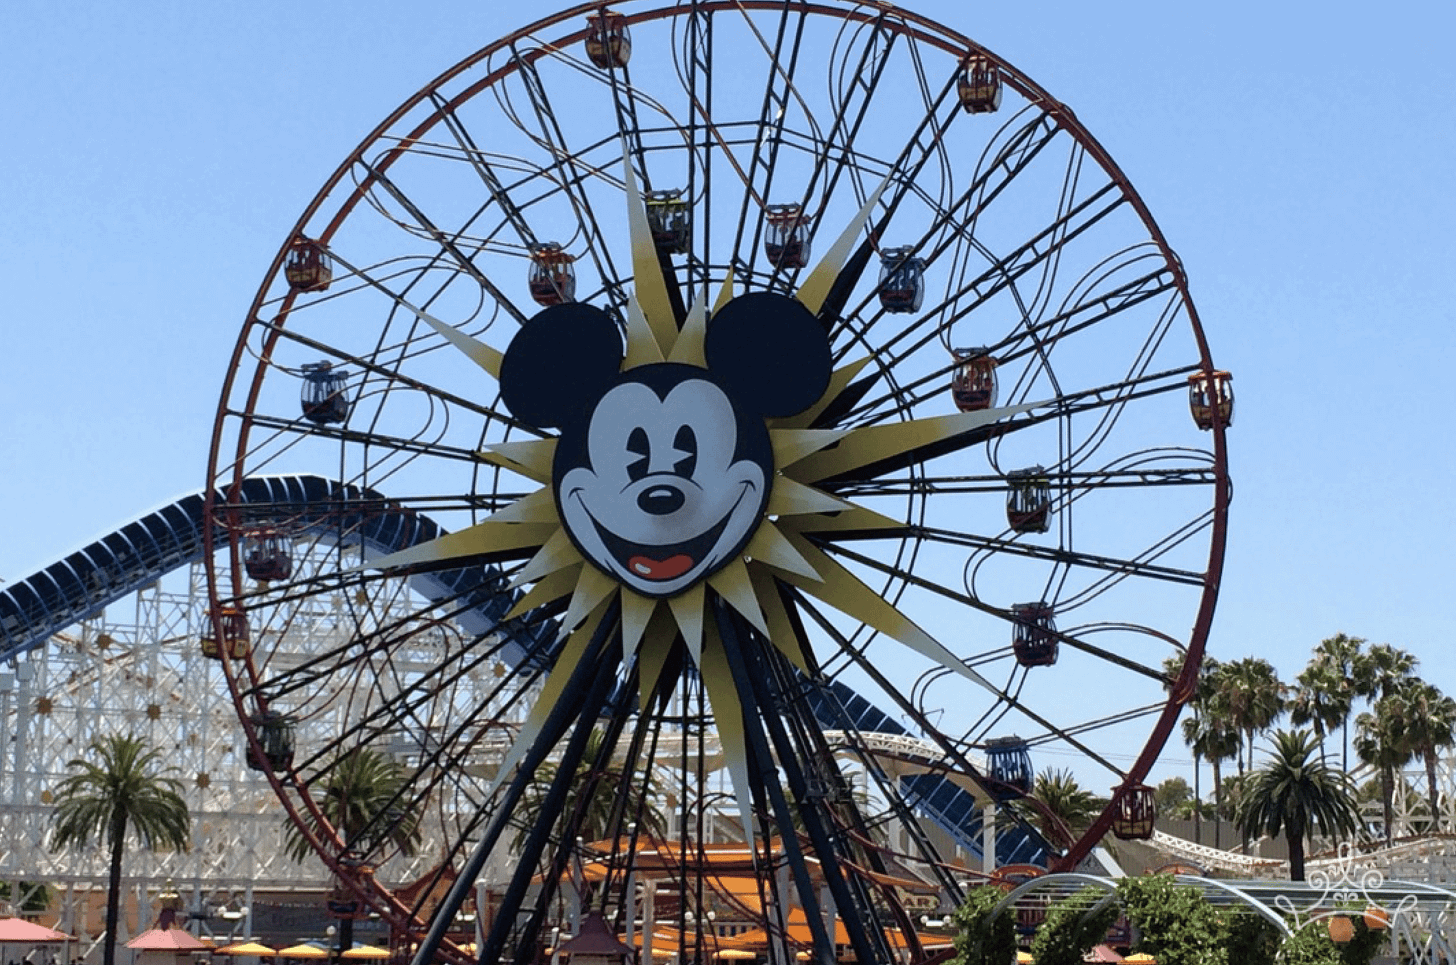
x=658, y=562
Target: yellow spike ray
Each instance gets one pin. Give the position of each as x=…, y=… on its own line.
x=485, y=537
x=651, y=287
x=642, y=347
x=636, y=613
x=780, y=628
x=571, y=653
x=536, y=507
x=838, y=381
x=791, y=445
x=769, y=546
x=474, y=349
x=873, y=443
x=530, y=457
x=556, y=553
x=816, y=287
x=653, y=652
x=790, y=498
x=725, y=294
x=551, y=587
x=851, y=520
x=688, y=349
x=592, y=588
x=687, y=610
x=733, y=585
x=728, y=716
x=843, y=590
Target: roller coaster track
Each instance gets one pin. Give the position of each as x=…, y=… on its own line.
x=140, y=553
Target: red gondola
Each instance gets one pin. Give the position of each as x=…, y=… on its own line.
x=609, y=44
x=973, y=382
x=226, y=635
x=1034, y=634
x=307, y=266
x=786, y=242
x=552, y=279
x=979, y=86
x=266, y=556
x=1137, y=811
x=1029, y=500
x=1211, y=399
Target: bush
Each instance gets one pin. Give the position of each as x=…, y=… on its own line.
x=1069, y=932
x=979, y=940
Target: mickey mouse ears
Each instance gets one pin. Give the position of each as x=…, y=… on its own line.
x=561, y=360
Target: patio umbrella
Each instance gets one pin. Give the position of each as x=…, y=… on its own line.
x=1024, y=958
x=18, y=931
x=246, y=948
x=1141, y=958
x=1101, y=953
x=167, y=940
x=366, y=951
x=302, y=951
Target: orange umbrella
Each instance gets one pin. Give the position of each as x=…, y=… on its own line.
x=302, y=951
x=366, y=951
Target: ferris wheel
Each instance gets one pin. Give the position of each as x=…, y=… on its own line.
x=712, y=392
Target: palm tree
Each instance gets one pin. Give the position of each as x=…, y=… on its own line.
x=1380, y=741
x=1379, y=672
x=1253, y=695
x=365, y=802
x=600, y=804
x=1429, y=717
x=1295, y=792
x=118, y=792
x=1323, y=697
x=1212, y=739
x=1063, y=808
x=1341, y=655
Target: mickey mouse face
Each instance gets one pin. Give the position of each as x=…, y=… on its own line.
x=667, y=482
x=663, y=472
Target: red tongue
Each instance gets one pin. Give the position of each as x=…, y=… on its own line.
x=673, y=566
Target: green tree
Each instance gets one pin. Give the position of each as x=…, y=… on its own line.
x=1209, y=735
x=1322, y=698
x=981, y=939
x=1296, y=793
x=1073, y=926
x=1429, y=718
x=1382, y=670
x=1341, y=655
x=596, y=787
x=1176, y=925
x=364, y=800
x=1251, y=694
x=1064, y=807
x=1380, y=741
x=117, y=792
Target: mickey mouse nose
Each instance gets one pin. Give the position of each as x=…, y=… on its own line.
x=661, y=500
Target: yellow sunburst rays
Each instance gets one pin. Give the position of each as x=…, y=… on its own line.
x=780, y=549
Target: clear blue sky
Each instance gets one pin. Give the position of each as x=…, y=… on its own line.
x=1299, y=157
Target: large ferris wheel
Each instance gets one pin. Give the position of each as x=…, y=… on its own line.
x=707, y=391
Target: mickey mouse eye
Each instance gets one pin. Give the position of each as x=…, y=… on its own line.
x=638, y=446
x=686, y=443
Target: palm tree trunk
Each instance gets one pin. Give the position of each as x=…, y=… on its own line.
x=1387, y=795
x=1434, y=798
x=1197, y=802
x=113, y=891
x=1295, y=835
x=1217, y=804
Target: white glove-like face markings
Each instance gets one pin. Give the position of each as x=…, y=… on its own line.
x=665, y=497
